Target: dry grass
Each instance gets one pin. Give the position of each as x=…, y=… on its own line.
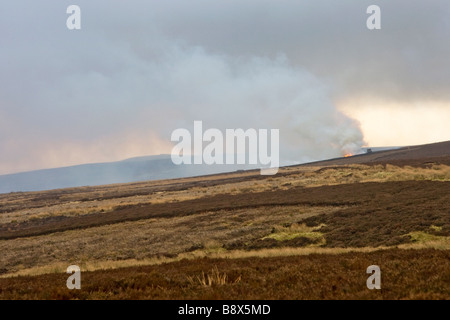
x=377, y=215
x=150, y=238
x=442, y=243
x=406, y=274
x=212, y=278
x=296, y=230
x=363, y=173
x=103, y=202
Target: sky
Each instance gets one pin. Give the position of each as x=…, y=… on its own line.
x=137, y=70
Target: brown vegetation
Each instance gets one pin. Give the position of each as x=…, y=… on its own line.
x=405, y=274
x=400, y=198
x=308, y=232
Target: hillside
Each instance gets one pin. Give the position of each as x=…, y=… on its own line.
x=257, y=237
x=412, y=155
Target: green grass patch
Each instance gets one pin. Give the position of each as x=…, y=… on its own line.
x=436, y=228
x=420, y=236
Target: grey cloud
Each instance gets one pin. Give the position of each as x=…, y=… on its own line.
x=150, y=65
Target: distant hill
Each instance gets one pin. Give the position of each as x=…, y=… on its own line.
x=130, y=170
x=161, y=167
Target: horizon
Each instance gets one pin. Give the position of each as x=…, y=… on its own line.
x=168, y=155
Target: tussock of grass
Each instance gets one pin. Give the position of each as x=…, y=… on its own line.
x=212, y=278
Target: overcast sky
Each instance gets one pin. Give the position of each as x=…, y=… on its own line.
x=137, y=70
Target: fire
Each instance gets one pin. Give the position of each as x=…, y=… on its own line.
x=348, y=155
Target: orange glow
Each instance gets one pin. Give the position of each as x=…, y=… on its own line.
x=348, y=155
x=389, y=123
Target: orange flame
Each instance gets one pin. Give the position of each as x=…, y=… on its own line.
x=348, y=155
